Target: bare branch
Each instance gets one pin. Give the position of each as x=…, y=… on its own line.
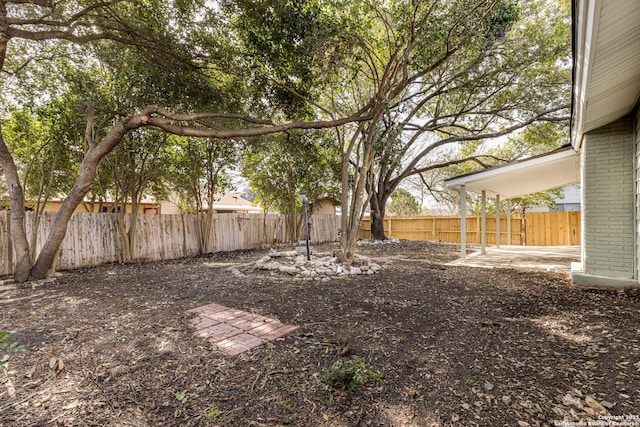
x=475, y=159
x=43, y=3
x=74, y=19
x=299, y=95
x=88, y=131
x=26, y=63
x=476, y=137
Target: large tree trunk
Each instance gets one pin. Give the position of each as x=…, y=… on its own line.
x=16, y=194
x=133, y=227
x=206, y=229
x=353, y=207
x=377, y=226
x=122, y=236
x=17, y=229
x=378, y=208
x=88, y=171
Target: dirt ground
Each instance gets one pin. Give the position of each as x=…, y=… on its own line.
x=418, y=344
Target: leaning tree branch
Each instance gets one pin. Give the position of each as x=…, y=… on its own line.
x=157, y=117
x=199, y=116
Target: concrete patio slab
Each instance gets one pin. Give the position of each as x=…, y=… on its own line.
x=236, y=331
x=549, y=258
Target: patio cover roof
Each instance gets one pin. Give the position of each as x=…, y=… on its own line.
x=539, y=173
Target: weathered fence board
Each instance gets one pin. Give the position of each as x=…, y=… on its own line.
x=5, y=244
x=324, y=228
x=93, y=238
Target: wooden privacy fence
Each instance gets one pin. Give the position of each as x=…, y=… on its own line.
x=553, y=228
x=535, y=229
x=447, y=228
x=92, y=238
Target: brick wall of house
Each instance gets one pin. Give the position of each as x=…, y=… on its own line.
x=609, y=236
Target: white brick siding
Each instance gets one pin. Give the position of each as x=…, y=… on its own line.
x=609, y=196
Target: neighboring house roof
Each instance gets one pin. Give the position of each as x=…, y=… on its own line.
x=606, y=63
x=227, y=202
x=146, y=200
x=538, y=173
x=231, y=201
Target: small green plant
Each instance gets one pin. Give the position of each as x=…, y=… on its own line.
x=398, y=339
x=349, y=374
x=214, y=414
x=198, y=298
x=9, y=347
x=471, y=382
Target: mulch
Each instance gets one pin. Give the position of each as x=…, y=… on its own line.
x=417, y=344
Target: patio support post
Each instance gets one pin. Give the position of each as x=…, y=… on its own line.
x=497, y=220
x=463, y=222
x=483, y=224
x=508, y=222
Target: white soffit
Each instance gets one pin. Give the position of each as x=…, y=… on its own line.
x=540, y=173
x=607, y=83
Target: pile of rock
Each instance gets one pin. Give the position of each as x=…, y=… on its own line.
x=369, y=242
x=319, y=267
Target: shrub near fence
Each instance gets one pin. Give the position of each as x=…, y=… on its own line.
x=92, y=238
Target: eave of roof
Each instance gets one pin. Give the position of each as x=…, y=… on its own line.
x=539, y=173
x=606, y=63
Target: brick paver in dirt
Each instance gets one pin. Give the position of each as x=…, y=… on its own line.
x=235, y=331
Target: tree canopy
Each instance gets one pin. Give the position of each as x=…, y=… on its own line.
x=403, y=203
x=391, y=83
x=156, y=64
x=512, y=74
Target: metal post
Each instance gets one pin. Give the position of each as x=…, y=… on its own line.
x=483, y=224
x=508, y=222
x=463, y=222
x=497, y=220
x=306, y=222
